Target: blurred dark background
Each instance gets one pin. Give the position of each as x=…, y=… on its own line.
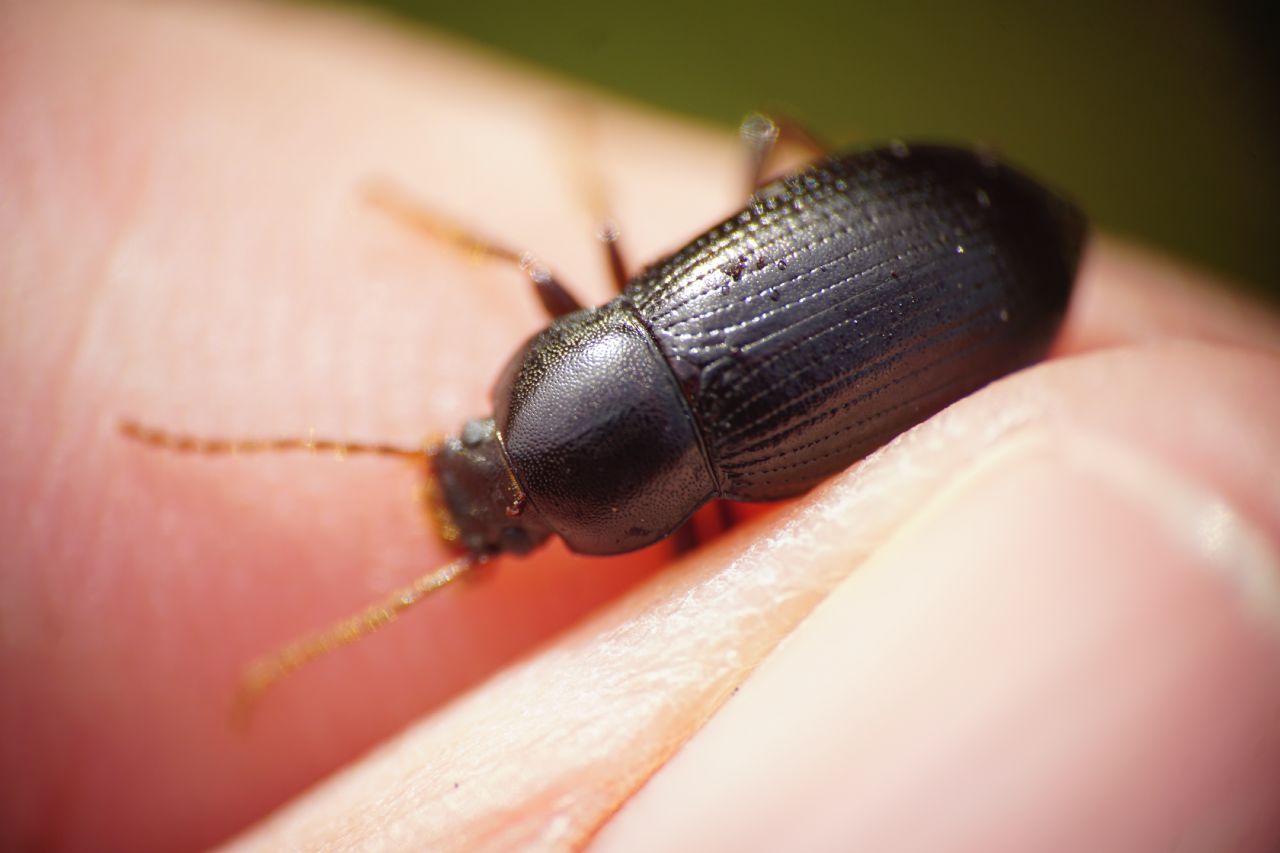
x=1162, y=119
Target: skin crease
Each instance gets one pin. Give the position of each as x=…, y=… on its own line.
x=186, y=244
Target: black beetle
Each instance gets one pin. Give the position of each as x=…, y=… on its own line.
x=845, y=304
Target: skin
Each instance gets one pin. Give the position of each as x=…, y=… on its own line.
x=1047, y=619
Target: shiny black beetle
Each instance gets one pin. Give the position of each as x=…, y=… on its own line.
x=845, y=304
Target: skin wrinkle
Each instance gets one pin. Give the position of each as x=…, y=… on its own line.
x=59, y=467
x=63, y=442
x=99, y=272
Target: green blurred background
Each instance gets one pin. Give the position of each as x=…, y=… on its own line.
x=1162, y=119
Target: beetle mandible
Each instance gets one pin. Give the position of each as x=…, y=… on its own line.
x=844, y=304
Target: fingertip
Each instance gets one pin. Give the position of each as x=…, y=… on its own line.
x=1073, y=642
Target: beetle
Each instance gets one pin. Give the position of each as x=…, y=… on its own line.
x=844, y=304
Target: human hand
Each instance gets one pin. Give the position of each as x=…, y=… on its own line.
x=1062, y=627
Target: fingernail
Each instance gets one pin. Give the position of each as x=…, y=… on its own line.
x=1072, y=647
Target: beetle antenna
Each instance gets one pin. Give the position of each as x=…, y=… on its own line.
x=261, y=674
x=389, y=199
x=177, y=442
x=553, y=295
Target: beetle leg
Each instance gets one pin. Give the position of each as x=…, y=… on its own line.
x=685, y=539
x=763, y=134
x=608, y=236
x=607, y=233
x=719, y=516
x=580, y=126
x=725, y=515
x=551, y=293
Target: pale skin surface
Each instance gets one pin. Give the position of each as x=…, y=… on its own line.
x=1064, y=627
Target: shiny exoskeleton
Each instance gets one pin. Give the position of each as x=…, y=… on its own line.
x=845, y=304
